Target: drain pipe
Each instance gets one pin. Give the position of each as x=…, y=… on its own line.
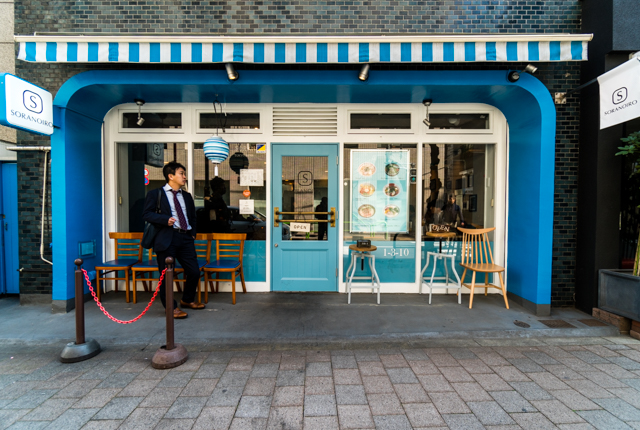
x=46, y=150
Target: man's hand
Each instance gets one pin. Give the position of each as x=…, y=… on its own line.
x=172, y=221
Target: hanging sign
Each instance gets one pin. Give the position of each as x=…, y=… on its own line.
x=246, y=207
x=620, y=94
x=251, y=178
x=25, y=106
x=300, y=226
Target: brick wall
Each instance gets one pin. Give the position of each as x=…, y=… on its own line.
x=333, y=17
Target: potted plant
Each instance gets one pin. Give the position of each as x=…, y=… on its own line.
x=619, y=290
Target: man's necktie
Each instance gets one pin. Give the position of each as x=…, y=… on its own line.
x=181, y=219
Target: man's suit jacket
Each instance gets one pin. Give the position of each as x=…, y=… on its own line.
x=161, y=220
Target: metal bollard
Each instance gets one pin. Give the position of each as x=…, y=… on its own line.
x=172, y=354
x=81, y=349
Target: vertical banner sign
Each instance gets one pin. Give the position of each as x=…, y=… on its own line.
x=379, y=190
x=620, y=94
x=25, y=106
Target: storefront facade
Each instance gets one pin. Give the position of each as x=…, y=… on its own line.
x=326, y=122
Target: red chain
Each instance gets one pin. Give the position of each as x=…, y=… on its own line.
x=86, y=277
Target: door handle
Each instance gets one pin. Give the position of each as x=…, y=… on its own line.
x=276, y=245
x=277, y=220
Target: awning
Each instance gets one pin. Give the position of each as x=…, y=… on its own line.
x=304, y=49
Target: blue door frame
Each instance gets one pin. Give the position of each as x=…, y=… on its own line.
x=304, y=265
x=9, y=278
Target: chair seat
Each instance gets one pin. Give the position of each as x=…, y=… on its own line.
x=484, y=268
x=223, y=264
x=120, y=262
x=145, y=264
x=201, y=263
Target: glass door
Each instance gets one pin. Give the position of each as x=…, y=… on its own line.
x=304, y=255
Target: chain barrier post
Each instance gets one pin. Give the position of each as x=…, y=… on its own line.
x=172, y=354
x=82, y=349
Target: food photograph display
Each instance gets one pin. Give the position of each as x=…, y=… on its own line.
x=379, y=194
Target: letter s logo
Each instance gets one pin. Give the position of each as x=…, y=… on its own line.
x=619, y=95
x=32, y=101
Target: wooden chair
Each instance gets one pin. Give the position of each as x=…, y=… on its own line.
x=229, y=251
x=477, y=257
x=203, y=251
x=128, y=253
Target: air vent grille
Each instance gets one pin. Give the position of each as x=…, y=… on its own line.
x=305, y=121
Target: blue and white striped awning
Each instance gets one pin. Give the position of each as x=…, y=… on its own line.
x=304, y=49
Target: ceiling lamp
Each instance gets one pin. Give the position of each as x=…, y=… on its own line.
x=514, y=75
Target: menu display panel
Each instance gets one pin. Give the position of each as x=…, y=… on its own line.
x=380, y=191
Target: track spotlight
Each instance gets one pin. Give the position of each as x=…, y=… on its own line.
x=514, y=75
x=364, y=73
x=140, y=120
x=231, y=72
x=425, y=121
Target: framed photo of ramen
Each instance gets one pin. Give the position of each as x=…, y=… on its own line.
x=379, y=191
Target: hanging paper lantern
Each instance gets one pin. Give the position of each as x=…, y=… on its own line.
x=216, y=150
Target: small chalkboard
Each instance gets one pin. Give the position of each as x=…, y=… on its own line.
x=363, y=243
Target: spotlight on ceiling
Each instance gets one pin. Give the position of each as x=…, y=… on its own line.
x=514, y=75
x=364, y=73
x=231, y=72
x=425, y=121
x=140, y=120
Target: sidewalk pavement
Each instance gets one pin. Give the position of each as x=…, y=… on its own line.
x=534, y=383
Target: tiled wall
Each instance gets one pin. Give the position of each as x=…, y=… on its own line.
x=330, y=17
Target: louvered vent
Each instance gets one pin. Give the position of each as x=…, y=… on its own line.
x=305, y=121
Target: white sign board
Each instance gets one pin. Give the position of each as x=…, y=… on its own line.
x=245, y=207
x=300, y=226
x=25, y=106
x=251, y=178
x=620, y=94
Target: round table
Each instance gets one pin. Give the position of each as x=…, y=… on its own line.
x=440, y=235
x=362, y=252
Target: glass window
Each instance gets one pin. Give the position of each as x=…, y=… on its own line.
x=381, y=121
x=230, y=120
x=465, y=121
x=380, y=206
x=152, y=120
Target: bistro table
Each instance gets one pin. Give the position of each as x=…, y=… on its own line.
x=362, y=253
x=437, y=256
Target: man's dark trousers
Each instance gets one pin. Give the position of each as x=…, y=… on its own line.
x=182, y=248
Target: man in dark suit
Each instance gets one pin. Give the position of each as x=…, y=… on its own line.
x=176, y=224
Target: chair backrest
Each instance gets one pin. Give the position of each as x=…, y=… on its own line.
x=229, y=245
x=476, y=248
x=203, y=245
x=127, y=244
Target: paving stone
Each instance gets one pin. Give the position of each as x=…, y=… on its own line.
x=490, y=413
x=581, y=426
x=347, y=377
x=31, y=400
x=402, y=376
x=215, y=418
x=138, y=388
x=392, y=422
x=344, y=362
x=213, y=371
x=372, y=368
x=186, y=407
x=589, y=389
x=319, y=369
x=97, y=398
x=259, y=387
x=268, y=357
x=442, y=360
x=175, y=380
x=533, y=421
x=254, y=407
x=30, y=425
x=240, y=363
x=449, y=403
x=548, y=381
x=562, y=372
x=365, y=355
x=319, y=385
x=630, y=395
x=72, y=419
x=510, y=373
x=614, y=371
x=102, y=425
x=118, y=408
x=574, y=400
x=411, y=393
x=512, y=401
x=393, y=361
x=462, y=422
x=265, y=370
x=143, y=418
x=603, y=420
x=557, y=412
x=461, y=353
x=225, y=396
x=423, y=415
x=625, y=363
x=285, y=418
x=350, y=395
x=589, y=357
x=355, y=417
x=293, y=363
x=471, y=391
x=435, y=383
x=117, y=380
x=175, y=424
x=414, y=355
x=99, y=372
x=234, y=379
x=290, y=377
x=384, y=404
x=531, y=391
x=492, y=382
x=318, y=356
x=475, y=366
x=620, y=409
x=151, y=373
x=541, y=357
x=9, y=416
x=456, y=374
x=321, y=423
x=424, y=368
x=49, y=410
x=161, y=397
x=377, y=385
x=319, y=405
x=288, y=396
x=526, y=365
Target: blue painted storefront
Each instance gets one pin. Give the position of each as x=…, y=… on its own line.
x=82, y=102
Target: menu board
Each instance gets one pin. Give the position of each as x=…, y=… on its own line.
x=379, y=190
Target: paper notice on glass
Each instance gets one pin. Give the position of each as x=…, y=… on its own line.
x=251, y=177
x=246, y=207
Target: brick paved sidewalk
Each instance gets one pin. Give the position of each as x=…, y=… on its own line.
x=542, y=383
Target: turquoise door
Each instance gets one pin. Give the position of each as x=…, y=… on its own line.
x=304, y=254
x=9, y=279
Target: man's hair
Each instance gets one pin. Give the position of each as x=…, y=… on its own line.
x=170, y=169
